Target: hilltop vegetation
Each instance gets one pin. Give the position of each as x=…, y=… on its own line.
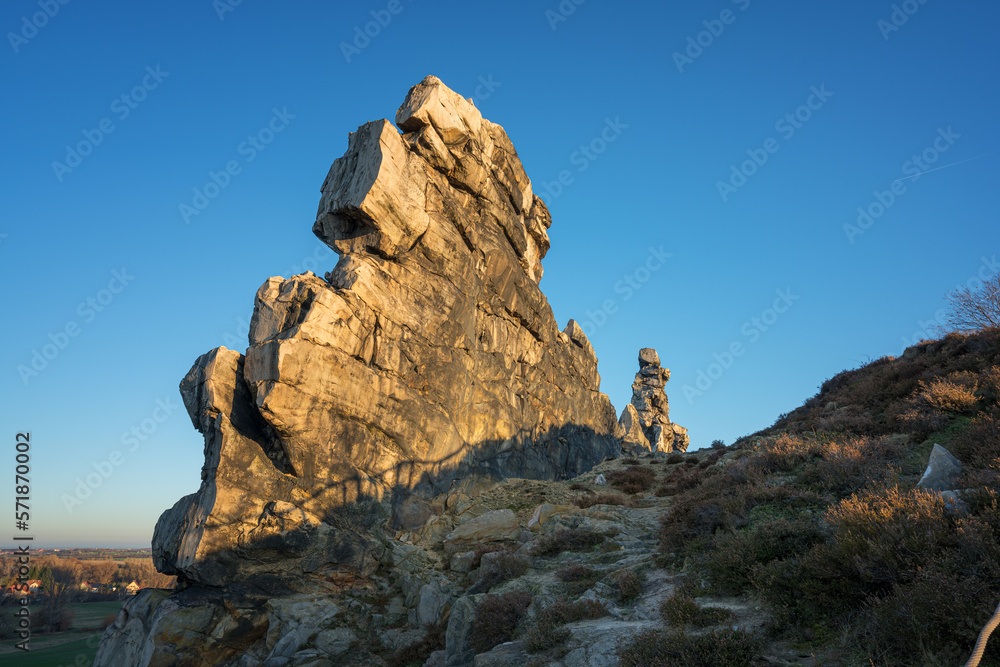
x=819, y=519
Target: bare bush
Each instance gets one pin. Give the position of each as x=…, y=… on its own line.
x=975, y=310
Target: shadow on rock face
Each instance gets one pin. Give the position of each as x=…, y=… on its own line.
x=249, y=519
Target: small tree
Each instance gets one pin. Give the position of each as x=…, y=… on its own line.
x=101, y=572
x=975, y=310
x=60, y=580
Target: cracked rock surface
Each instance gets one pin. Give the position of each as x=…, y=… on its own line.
x=426, y=364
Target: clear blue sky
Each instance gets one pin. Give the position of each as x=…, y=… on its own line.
x=673, y=126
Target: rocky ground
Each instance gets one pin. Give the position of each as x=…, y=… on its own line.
x=425, y=604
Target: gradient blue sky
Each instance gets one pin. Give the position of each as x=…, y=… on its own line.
x=555, y=87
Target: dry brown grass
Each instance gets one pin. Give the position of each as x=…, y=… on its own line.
x=955, y=393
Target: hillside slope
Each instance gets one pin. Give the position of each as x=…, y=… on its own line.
x=819, y=519
x=805, y=544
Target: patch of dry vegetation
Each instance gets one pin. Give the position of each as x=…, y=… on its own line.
x=417, y=652
x=680, y=610
x=632, y=479
x=629, y=585
x=674, y=648
x=497, y=617
x=578, y=578
x=566, y=539
x=547, y=632
x=506, y=566
x=585, y=502
x=818, y=517
x=885, y=396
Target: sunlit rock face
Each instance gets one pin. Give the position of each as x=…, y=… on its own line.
x=427, y=363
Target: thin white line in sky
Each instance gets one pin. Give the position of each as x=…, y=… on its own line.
x=944, y=167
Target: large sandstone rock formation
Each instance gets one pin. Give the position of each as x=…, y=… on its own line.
x=425, y=365
x=645, y=425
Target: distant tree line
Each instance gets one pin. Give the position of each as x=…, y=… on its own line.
x=60, y=584
x=98, y=572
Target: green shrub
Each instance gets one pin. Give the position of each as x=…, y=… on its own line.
x=675, y=457
x=801, y=596
x=989, y=386
x=823, y=528
x=497, y=617
x=724, y=503
x=850, y=464
x=883, y=541
x=884, y=536
x=694, y=516
x=717, y=648
x=711, y=460
x=939, y=612
x=570, y=612
x=787, y=452
x=679, y=610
